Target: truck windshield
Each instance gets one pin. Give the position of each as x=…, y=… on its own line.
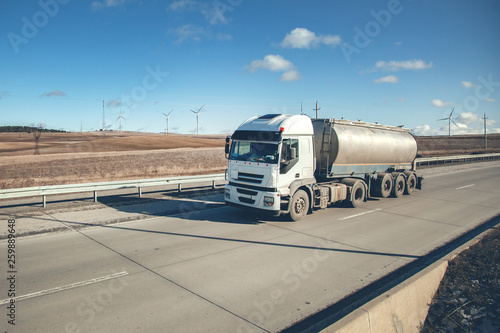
x=254, y=151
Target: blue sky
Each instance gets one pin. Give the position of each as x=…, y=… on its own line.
x=397, y=62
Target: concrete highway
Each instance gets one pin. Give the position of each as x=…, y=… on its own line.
x=223, y=270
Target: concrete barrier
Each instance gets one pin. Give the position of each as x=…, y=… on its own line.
x=402, y=309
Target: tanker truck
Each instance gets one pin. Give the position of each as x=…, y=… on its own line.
x=292, y=164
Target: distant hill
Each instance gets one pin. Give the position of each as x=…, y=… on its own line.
x=27, y=129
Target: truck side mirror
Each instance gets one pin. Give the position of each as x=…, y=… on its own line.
x=228, y=138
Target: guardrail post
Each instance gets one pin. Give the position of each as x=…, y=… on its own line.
x=213, y=184
x=140, y=192
x=95, y=196
x=44, y=200
x=179, y=188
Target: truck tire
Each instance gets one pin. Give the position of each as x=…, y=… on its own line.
x=398, y=188
x=383, y=185
x=358, y=191
x=299, y=205
x=411, y=182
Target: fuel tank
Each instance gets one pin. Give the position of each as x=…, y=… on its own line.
x=350, y=145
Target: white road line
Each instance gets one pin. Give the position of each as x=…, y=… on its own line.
x=69, y=286
x=360, y=214
x=459, y=188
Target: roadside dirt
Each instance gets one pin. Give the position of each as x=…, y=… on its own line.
x=468, y=299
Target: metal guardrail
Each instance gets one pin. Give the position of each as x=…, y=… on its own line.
x=43, y=191
x=456, y=159
x=106, y=186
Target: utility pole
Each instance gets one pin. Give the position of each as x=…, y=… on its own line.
x=485, y=138
x=103, y=117
x=317, y=109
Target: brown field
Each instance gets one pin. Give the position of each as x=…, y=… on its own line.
x=456, y=145
x=66, y=158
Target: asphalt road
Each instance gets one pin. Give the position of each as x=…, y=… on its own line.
x=223, y=270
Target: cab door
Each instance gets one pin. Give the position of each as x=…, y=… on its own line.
x=290, y=166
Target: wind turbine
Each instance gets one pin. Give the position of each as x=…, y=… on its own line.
x=449, y=121
x=120, y=117
x=167, y=116
x=197, y=119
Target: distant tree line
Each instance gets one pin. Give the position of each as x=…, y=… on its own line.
x=28, y=129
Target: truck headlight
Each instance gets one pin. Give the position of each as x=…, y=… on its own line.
x=268, y=201
x=227, y=193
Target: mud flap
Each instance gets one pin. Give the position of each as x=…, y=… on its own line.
x=419, y=182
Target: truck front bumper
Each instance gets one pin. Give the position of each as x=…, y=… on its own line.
x=252, y=199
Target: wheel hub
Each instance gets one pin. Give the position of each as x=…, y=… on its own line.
x=300, y=205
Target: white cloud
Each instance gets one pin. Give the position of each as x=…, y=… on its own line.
x=114, y=103
x=271, y=62
x=425, y=130
x=212, y=11
x=468, y=84
x=189, y=31
x=184, y=5
x=468, y=118
x=333, y=40
x=291, y=75
x=197, y=33
x=96, y=5
x=301, y=38
x=440, y=104
x=56, y=93
x=491, y=100
x=402, y=99
x=387, y=79
x=276, y=63
x=395, y=66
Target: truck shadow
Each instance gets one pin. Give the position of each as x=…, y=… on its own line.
x=207, y=208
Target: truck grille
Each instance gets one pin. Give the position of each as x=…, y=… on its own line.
x=247, y=192
x=250, y=177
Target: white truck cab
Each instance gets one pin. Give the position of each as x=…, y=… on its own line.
x=267, y=155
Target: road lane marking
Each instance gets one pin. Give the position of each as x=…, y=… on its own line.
x=360, y=214
x=459, y=188
x=69, y=286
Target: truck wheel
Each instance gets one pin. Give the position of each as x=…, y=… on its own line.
x=411, y=182
x=399, y=184
x=383, y=186
x=299, y=205
x=358, y=191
